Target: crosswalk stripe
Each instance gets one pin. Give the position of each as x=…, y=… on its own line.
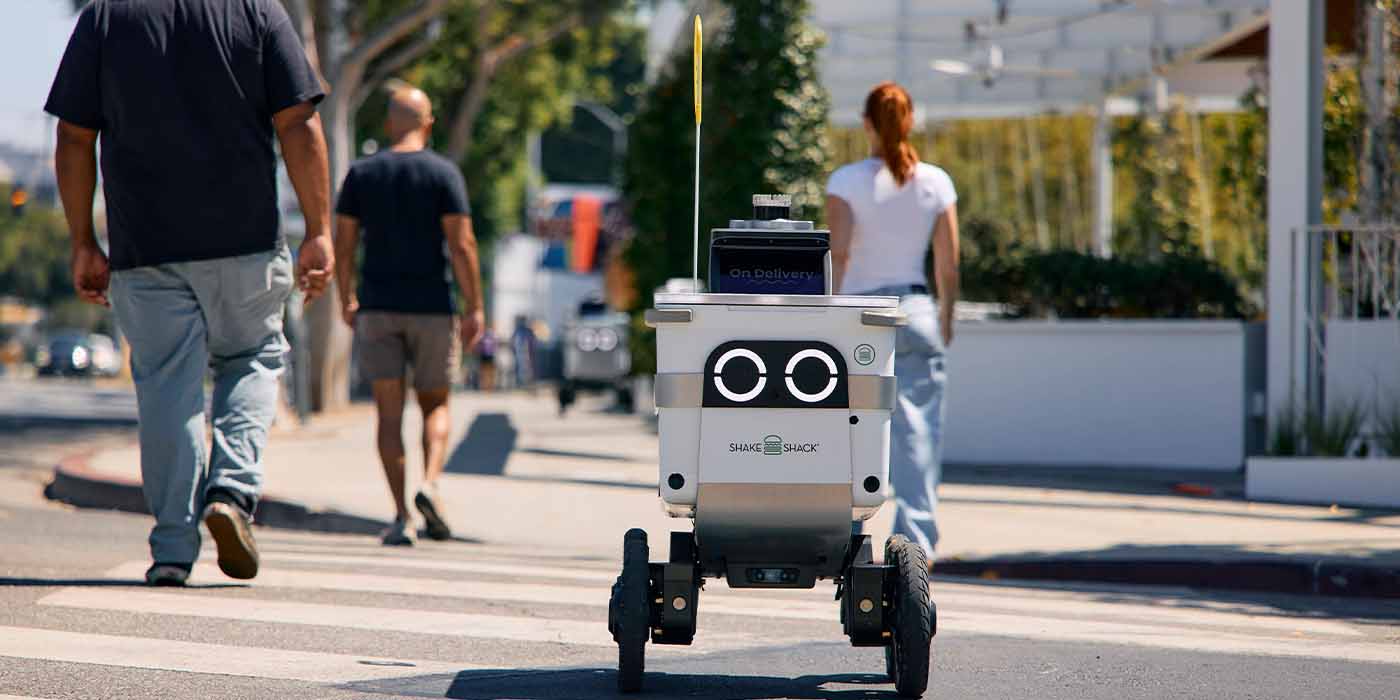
x=1179, y=629
x=197, y=657
x=1169, y=637
x=500, y=627
x=546, y=571
x=495, y=591
x=797, y=604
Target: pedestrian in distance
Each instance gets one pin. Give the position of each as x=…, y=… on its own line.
x=186, y=97
x=885, y=212
x=411, y=205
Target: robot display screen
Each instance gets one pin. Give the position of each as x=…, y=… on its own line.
x=743, y=270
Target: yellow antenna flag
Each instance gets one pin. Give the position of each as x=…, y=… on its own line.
x=695, y=233
x=697, y=63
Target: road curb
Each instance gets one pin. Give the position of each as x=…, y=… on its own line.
x=1295, y=576
x=77, y=484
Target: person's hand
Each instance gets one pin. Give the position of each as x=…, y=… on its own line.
x=91, y=274
x=472, y=325
x=945, y=328
x=315, y=263
x=348, y=311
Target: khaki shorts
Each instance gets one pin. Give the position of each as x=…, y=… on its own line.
x=391, y=341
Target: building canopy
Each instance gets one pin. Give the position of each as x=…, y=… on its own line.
x=986, y=58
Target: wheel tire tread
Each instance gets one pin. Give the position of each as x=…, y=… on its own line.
x=913, y=620
x=633, y=621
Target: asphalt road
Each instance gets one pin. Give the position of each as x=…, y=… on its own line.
x=41, y=419
x=341, y=617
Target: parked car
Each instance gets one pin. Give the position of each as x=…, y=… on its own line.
x=79, y=354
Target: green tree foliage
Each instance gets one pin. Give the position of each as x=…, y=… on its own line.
x=530, y=92
x=765, y=115
x=34, y=254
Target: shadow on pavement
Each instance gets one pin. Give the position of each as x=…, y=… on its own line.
x=1363, y=516
x=1311, y=578
x=1125, y=480
x=581, y=684
x=486, y=447
x=574, y=454
x=103, y=583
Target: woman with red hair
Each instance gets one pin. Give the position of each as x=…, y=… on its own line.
x=885, y=213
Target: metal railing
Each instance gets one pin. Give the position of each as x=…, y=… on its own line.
x=1350, y=321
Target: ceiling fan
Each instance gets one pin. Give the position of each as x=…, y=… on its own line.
x=993, y=67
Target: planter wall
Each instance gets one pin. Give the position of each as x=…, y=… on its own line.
x=1324, y=481
x=1361, y=364
x=1097, y=393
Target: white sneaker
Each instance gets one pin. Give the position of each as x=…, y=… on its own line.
x=400, y=534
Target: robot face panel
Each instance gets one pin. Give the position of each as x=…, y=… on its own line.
x=775, y=374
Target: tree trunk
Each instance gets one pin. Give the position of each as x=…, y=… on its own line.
x=330, y=337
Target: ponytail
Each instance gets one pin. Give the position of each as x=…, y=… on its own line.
x=891, y=113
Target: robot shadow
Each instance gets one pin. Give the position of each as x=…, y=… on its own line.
x=583, y=684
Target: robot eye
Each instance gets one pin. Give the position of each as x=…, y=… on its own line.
x=752, y=374
x=607, y=339
x=811, y=369
x=587, y=339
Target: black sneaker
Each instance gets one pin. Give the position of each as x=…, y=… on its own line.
x=231, y=527
x=430, y=505
x=165, y=574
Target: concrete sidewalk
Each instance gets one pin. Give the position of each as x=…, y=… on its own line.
x=520, y=474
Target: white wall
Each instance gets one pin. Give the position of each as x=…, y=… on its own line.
x=1363, y=363
x=1097, y=393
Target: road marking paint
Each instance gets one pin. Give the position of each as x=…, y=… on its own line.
x=1099, y=632
x=494, y=591
x=499, y=627
x=196, y=657
x=955, y=615
x=1020, y=602
x=543, y=570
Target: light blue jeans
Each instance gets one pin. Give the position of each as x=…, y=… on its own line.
x=916, y=428
x=181, y=320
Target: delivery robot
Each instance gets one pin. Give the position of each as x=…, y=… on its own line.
x=596, y=355
x=774, y=401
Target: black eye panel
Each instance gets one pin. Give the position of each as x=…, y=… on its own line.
x=775, y=374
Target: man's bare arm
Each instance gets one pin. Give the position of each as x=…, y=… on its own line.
x=347, y=241
x=75, y=162
x=466, y=267
x=304, y=149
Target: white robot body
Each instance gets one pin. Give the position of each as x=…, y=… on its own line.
x=779, y=483
x=774, y=400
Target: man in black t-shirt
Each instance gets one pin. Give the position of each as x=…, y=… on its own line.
x=412, y=207
x=186, y=96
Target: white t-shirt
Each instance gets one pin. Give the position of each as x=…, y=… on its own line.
x=892, y=225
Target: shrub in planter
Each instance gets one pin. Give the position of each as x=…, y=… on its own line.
x=1286, y=439
x=1069, y=284
x=1333, y=434
x=1388, y=434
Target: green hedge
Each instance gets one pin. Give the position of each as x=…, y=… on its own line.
x=1068, y=284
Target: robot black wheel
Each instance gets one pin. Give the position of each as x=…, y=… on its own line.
x=907, y=657
x=631, y=611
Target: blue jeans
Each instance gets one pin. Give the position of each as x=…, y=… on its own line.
x=181, y=320
x=916, y=428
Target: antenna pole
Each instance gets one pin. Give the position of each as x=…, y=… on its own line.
x=695, y=243
x=696, y=63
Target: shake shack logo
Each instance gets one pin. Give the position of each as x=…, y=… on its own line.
x=773, y=445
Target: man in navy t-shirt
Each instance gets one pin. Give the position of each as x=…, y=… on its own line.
x=411, y=205
x=186, y=97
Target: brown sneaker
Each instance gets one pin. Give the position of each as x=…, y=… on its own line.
x=232, y=531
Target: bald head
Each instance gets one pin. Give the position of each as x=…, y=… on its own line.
x=410, y=110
